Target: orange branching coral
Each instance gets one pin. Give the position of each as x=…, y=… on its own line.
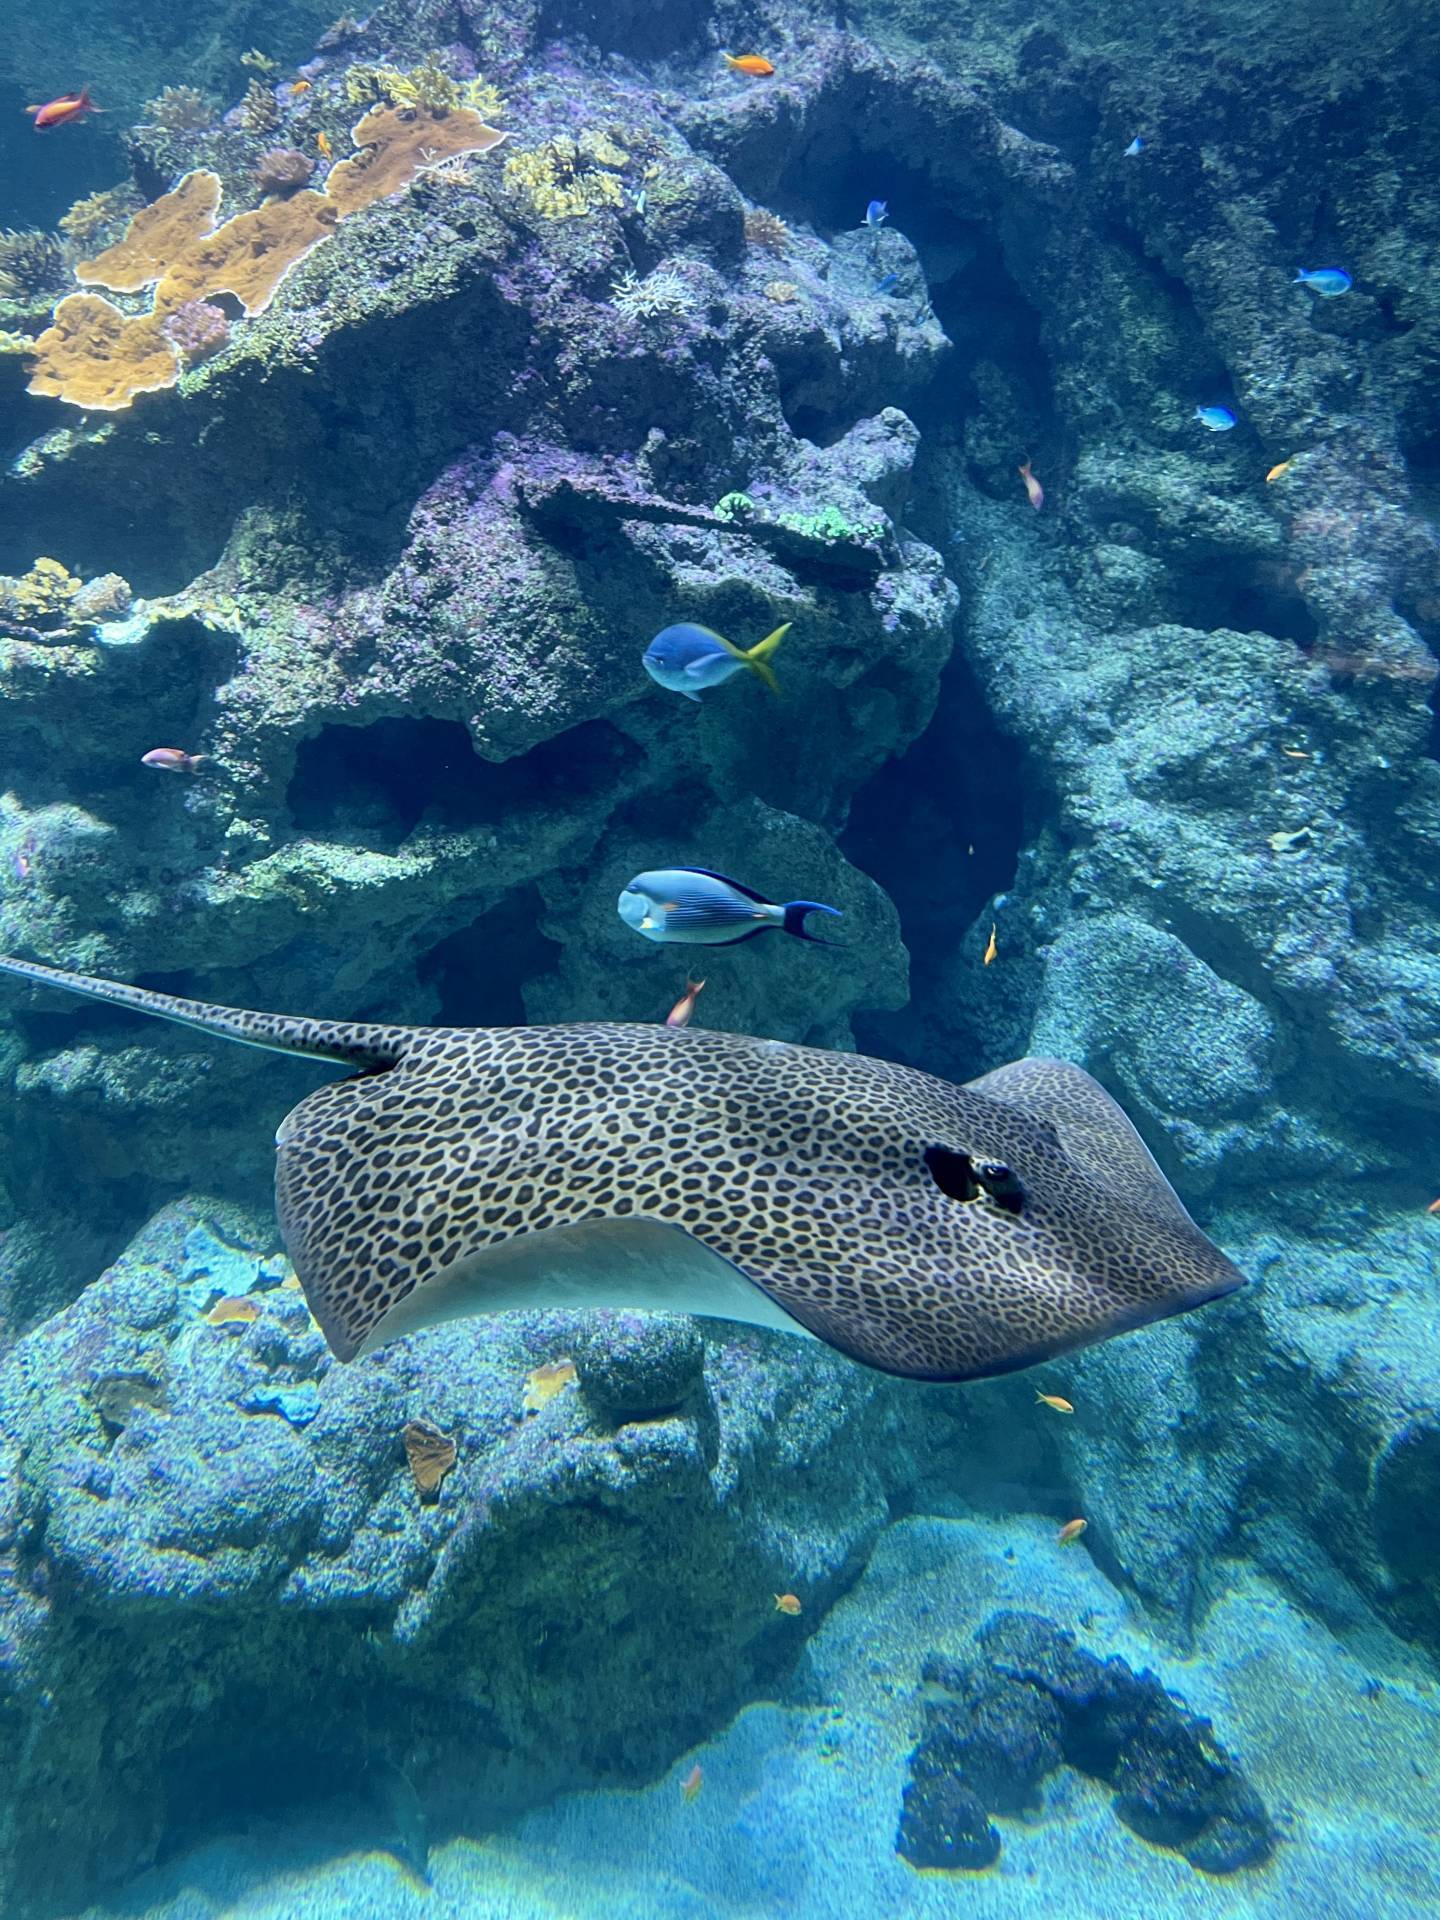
x=250, y=255
x=96, y=357
x=156, y=236
x=397, y=143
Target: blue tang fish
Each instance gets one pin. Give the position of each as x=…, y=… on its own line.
x=1137, y=145
x=1217, y=419
x=1326, y=281
x=875, y=213
x=693, y=907
x=687, y=658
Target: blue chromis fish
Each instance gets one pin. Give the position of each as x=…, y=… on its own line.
x=693, y=907
x=887, y=283
x=1137, y=145
x=1326, y=281
x=876, y=213
x=1217, y=419
x=687, y=659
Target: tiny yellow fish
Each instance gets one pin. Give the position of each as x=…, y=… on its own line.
x=690, y=1786
x=548, y=1379
x=1275, y=472
x=1053, y=1400
x=322, y=141
x=1294, y=753
x=993, y=948
x=755, y=64
x=297, y=87
x=1434, y=1207
x=235, y=1310
x=787, y=1603
x=1071, y=1530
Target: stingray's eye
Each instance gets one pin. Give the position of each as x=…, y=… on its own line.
x=1001, y=1183
x=961, y=1178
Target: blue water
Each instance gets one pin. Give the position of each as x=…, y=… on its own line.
x=372, y=392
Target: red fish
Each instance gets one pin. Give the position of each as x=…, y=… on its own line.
x=682, y=1011
x=69, y=106
x=1033, y=487
x=171, y=760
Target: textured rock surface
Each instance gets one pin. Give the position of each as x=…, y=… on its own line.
x=190, y=1511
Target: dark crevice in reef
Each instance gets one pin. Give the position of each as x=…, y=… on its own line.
x=913, y=826
x=481, y=972
x=375, y=783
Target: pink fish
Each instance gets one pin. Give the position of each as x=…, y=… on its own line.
x=683, y=1010
x=1032, y=486
x=69, y=106
x=171, y=759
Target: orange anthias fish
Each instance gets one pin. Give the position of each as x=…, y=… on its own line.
x=1033, y=488
x=682, y=1012
x=787, y=1603
x=171, y=760
x=992, y=947
x=1434, y=1207
x=69, y=106
x=690, y=1786
x=298, y=87
x=755, y=64
x=322, y=141
x=235, y=1310
x=1054, y=1401
x=1275, y=472
x=1071, y=1530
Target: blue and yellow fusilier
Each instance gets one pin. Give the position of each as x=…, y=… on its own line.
x=691, y=906
x=687, y=659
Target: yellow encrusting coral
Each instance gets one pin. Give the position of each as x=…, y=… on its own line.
x=396, y=145
x=157, y=236
x=98, y=358
x=48, y=588
x=95, y=356
x=426, y=85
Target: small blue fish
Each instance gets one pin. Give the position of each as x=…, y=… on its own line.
x=1217, y=419
x=876, y=213
x=888, y=284
x=687, y=658
x=1326, y=281
x=1137, y=145
x=693, y=907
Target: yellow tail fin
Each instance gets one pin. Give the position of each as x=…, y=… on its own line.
x=757, y=657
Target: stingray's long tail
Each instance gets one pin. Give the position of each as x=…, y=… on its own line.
x=356, y=1043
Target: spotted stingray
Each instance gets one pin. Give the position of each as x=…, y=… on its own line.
x=939, y=1232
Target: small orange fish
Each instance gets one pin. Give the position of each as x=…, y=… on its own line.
x=787, y=1603
x=171, y=760
x=1033, y=488
x=690, y=1786
x=235, y=1310
x=755, y=64
x=1275, y=472
x=1071, y=1530
x=1434, y=1207
x=683, y=1010
x=545, y=1381
x=992, y=948
x=297, y=87
x=69, y=106
x=322, y=141
x=1054, y=1401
